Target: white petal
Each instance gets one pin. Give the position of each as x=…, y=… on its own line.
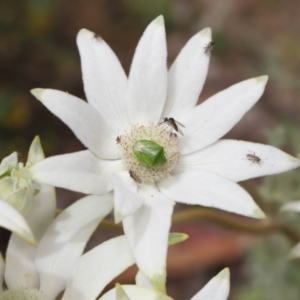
x=216, y=289
x=42, y=212
x=98, y=267
x=20, y=199
x=65, y=239
x=83, y=120
x=209, y=189
x=295, y=252
x=136, y=293
x=20, y=269
x=105, y=82
x=80, y=171
x=6, y=187
x=120, y=293
x=234, y=160
x=12, y=220
x=2, y=266
x=209, y=121
x=148, y=76
x=291, y=206
x=142, y=280
x=8, y=162
x=35, y=152
x=187, y=75
x=126, y=199
x=147, y=232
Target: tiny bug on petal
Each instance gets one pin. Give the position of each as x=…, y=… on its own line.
x=254, y=158
x=118, y=139
x=134, y=177
x=174, y=124
x=209, y=47
x=96, y=36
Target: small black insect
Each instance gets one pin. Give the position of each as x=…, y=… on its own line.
x=209, y=47
x=171, y=122
x=96, y=36
x=118, y=140
x=134, y=177
x=19, y=156
x=254, y=158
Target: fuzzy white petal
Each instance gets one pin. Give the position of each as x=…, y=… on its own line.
x=291, y=206
x=229, y=158
x=86, y=123
x=12, y=220
x=8, y=162
x=65, y=239
x=126, y=199
x=209, y=121
x=2, y=266
x=35, y=152
x=147, y=82
x=80, y=171
x=211, y=190
x=20, y=270
x=187, y=75
x=295, y=252
x=147, y=231
x=216, y=289
x=98, y=267
x=105, y=82
x=136, y=293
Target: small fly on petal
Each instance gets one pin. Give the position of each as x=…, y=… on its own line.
x=254, y=158
x=134, y=177
x=174, y=124
x=209, y=47
x=118, y=140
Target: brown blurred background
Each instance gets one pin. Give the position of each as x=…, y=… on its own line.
x=253, y=37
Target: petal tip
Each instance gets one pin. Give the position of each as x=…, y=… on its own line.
x=37, y=93
x=258, y=213
x=118, y=217
x=262, y=80
x=159, y=21
x=206, y=32
x=28, y=237
x=224, y=274
x=176, y=238
x=84, y=33
x=296, y=162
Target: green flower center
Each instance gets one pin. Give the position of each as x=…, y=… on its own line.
x=149, y=153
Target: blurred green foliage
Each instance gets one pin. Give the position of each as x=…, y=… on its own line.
x=148, y=10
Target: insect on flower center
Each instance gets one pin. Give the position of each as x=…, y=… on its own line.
x=149, y=153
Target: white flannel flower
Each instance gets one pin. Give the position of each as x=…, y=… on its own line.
x=25, y=204
x=58, y=264
x=120, y=126
x=216, y=289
